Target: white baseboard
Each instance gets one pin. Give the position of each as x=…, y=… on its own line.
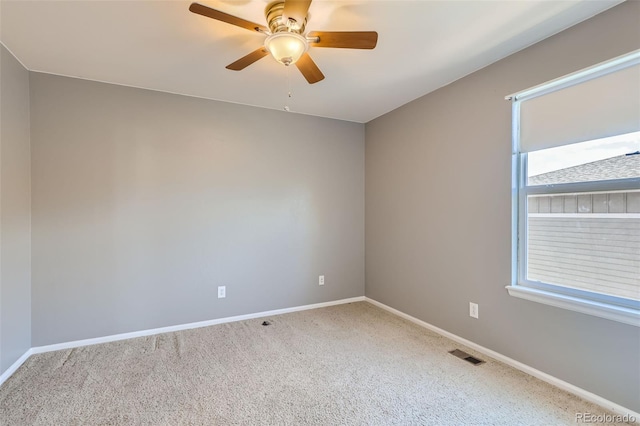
x=584, y=394
x=4, y=376
x=151, y=332
x=169, y=329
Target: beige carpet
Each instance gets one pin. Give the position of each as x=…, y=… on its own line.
x=350, y=364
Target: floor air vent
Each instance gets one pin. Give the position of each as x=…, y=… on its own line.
x=463, y=355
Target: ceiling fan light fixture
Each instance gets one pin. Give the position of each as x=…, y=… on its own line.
x=286, y=47
x=287, y=40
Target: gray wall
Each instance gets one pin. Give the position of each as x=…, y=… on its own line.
x=15, y=219
x=438, y=216
x=145, y=202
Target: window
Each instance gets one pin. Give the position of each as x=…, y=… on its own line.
x=576, y=191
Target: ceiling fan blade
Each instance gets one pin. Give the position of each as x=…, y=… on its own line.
x=344, y=39
x=296, y=9
x=225, y=17
x=247, y=60
x=309, y=69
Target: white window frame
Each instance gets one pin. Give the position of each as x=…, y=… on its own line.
x=613, y=308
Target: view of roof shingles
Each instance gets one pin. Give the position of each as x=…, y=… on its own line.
x=620, y=167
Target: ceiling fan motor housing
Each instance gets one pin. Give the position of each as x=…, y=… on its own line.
x=278, y=24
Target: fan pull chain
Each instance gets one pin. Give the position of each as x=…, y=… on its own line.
x=286, y=106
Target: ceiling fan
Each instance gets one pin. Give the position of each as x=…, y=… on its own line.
x=286, y=39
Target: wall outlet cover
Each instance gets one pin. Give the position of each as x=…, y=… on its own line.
x=473, y=310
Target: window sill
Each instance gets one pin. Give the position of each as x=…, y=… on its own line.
x=602, y=310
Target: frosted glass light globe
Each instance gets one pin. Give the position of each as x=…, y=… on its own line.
x=286, y=47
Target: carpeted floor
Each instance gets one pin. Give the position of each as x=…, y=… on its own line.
x=351, y=364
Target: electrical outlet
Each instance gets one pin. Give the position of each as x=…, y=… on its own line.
x=473, y=310
x=222, y=292
x=321, y=280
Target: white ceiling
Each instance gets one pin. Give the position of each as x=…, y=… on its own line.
x=160, y=45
